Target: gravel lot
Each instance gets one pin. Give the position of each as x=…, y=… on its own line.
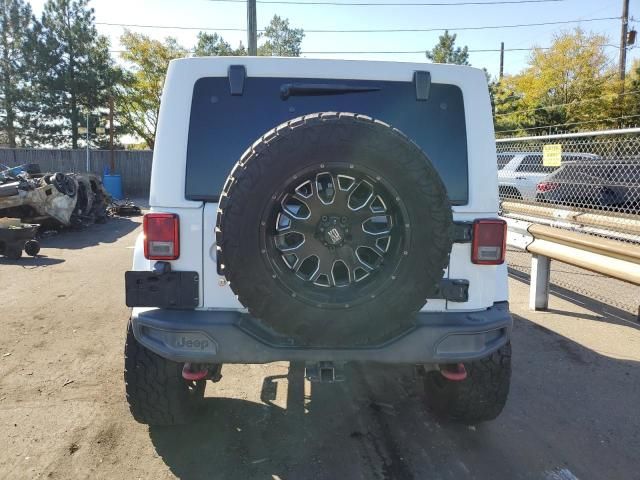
x=572, y=412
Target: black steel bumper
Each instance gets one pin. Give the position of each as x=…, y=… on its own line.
x=224, y=337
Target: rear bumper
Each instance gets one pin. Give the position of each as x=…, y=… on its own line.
x=221, y=337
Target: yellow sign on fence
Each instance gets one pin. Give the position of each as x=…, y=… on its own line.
x=552, y=155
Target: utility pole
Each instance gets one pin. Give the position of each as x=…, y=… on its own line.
x=252, y=28
x=112, y=165
x=623, y=41
x=623, y=56
x=501, y=59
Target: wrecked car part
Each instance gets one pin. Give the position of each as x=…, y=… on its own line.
x=64, y=184
x=124, y=209
x=66, y=199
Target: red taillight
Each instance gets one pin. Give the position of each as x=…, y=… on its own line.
x=161, y=236
x=546, y=186
x=489, y=241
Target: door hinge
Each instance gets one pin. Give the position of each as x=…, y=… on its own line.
x=422, y=83
x=453, y=290
x=237, y=75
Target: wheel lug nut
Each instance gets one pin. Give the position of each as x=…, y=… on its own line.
x=324, y=218
x=343, y=219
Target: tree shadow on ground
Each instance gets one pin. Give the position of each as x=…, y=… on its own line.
x=31, y=262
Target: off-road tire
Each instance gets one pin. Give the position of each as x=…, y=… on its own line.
x=156, y=392
x=254, y=186
x=480, y=397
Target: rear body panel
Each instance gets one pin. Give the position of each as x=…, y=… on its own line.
x=197, y=218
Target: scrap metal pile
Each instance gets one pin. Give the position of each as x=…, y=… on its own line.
x=54, y=199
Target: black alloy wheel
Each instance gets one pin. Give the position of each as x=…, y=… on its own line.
x=335, y=228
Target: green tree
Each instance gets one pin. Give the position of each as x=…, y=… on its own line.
x=76, y=73
x=213, y=45
x=138, y=102
x=280, y=39
x=18, y=29
x=446, y=51
x=571, y=82
x=630, y=102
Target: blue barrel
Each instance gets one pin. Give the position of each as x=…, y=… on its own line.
x=113, y=185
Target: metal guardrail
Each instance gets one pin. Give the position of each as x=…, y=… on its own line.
x=573, y=198
x=609, y=257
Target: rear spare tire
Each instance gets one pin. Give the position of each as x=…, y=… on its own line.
x=334, y=229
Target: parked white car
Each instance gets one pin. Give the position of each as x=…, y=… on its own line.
x=519, y=173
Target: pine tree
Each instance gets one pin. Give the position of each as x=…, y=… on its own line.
x=18, y=28
x=213, y=45
x=77, y=74
x=281, y=39
x=446, y=52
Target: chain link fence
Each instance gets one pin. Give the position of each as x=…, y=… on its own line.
x=588, y=179
x=586, y=182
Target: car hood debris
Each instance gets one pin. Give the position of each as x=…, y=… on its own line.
x=66, y=199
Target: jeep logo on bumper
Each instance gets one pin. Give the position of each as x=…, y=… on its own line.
x=184, y=342
x=193, y=341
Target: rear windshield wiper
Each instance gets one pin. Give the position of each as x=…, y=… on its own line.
x=315, y=89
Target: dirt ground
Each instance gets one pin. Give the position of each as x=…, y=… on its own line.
x=572, y=413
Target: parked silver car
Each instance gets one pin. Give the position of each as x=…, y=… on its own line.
x=519, y=173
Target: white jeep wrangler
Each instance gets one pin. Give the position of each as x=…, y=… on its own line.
x=321, y=211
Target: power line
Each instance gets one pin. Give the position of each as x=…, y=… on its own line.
x=171, y=27
x=481, y=50
x=570, y=124
x=383, y=4
x=392, y=30
x=391, y=52
x=564, y=104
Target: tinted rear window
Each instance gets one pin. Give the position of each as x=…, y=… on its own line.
x=222, y=126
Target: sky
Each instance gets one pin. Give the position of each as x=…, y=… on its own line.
x=218, y=15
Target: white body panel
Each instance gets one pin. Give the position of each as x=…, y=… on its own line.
x=197, y=220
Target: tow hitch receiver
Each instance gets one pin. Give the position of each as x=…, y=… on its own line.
x=325, y=372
